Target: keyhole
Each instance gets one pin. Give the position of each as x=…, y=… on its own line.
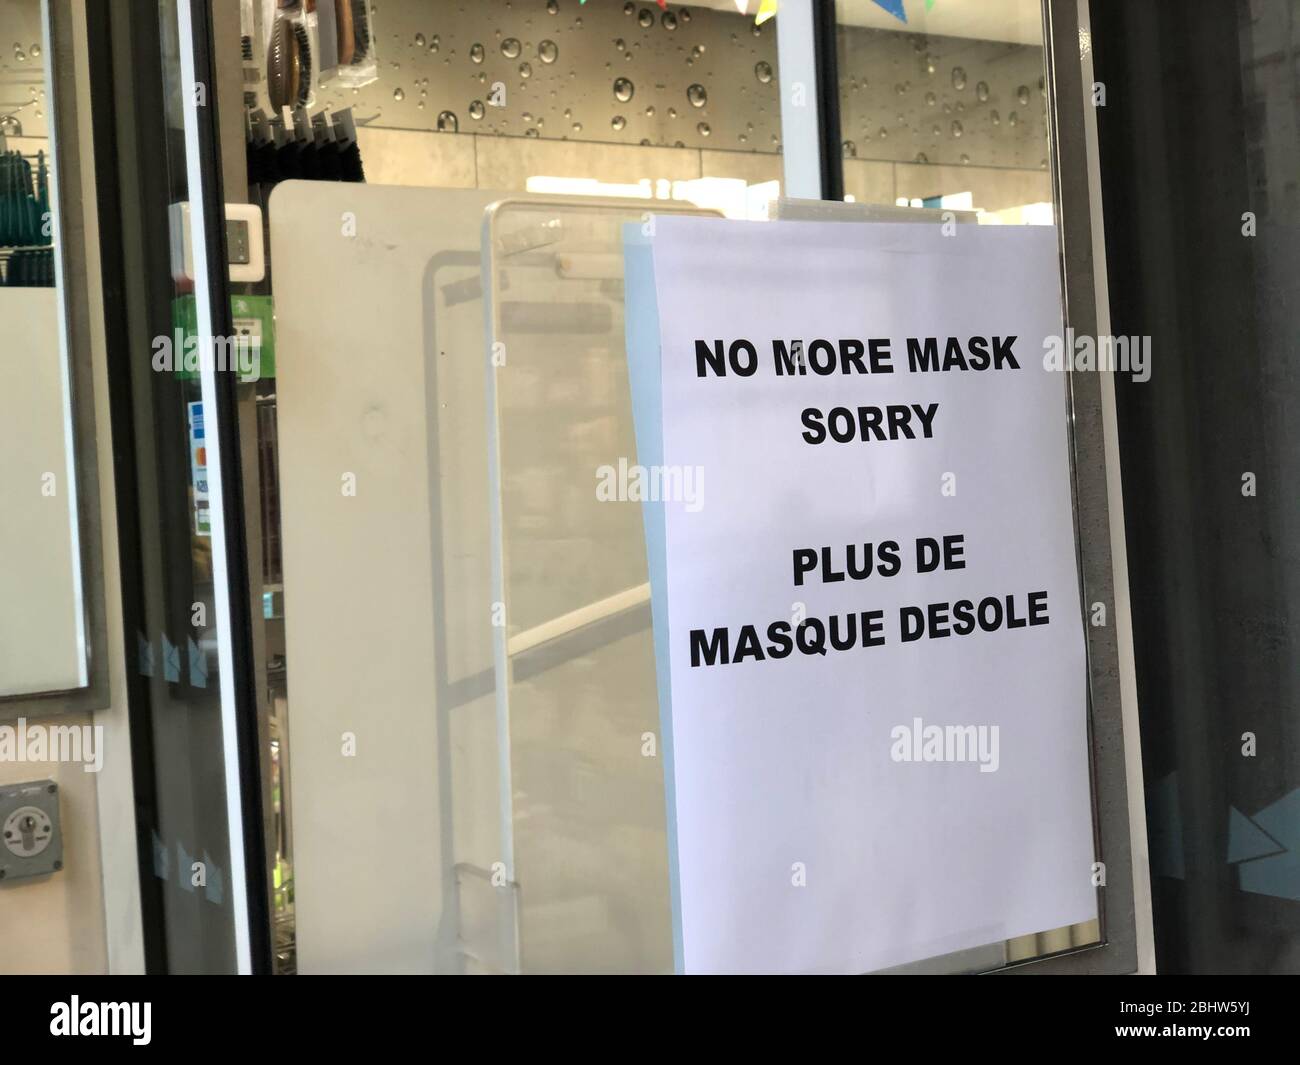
x=28, y=829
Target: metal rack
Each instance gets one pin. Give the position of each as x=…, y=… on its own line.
x=36, y=258
x=26, y=260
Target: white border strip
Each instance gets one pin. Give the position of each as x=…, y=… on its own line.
x=796, y=57
x=195, y=184
x=72, y=490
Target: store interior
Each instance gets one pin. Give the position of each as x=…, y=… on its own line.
x=455, y=671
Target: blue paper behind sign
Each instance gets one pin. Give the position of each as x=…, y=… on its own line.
x=641, y=316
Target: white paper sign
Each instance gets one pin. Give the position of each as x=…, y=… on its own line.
x=921, y=787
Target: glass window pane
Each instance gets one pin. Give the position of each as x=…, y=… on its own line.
x=948, y=109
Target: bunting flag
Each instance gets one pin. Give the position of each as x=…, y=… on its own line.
x=895, y=8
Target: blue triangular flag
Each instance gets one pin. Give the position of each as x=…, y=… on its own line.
x=198, y=664
x=171, y=661
x=1246, y=840
x=894, y=7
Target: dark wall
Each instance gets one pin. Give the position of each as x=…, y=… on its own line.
x=1200, y=127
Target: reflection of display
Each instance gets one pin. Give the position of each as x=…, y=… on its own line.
x=199, y=469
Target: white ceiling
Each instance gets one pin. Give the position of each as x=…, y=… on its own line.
x=1020, y=21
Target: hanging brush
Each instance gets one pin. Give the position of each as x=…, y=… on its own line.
x=361, y=31
x=304, y=63
x=282, y=65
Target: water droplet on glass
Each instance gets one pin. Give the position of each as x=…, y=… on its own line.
x=935, y=131
x=997, y=119
x=433, y=43
x=763, y=72
x=399, y=95
x=921, y=157
x=419, y=40
x=883, y=134
x=958, y=78
x=527, y=116
x=669, y=20
x=629, y=8
x=1042, y=87
x=447, y=122
x=850, y=150
x=35, y=51
x=525, y=69
x=577, y=127
x=1013, y=119
x=620, y=44
x=617, y=123
x=19, y=55
x=982, y=91
x=548, y=51
x=697, y=96
x=552, y=7
x=530, y=132
x=931, y=99
x=686, y=14
x=476, y=52
x=650, y=111
x=623, y=90
x=703, y=129
x=510, y=47
x=1022, y=94
x=476, y=110
x=10, y=126
x=930, y=65
x=672, y=112
x=646, y=18
x=965, y=159
x=957, y=130
x=899, y=89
